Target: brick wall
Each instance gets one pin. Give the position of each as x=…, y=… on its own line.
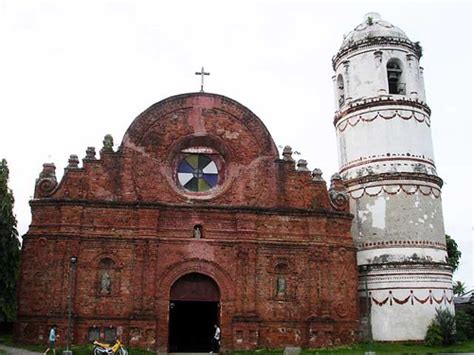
x=126, y=214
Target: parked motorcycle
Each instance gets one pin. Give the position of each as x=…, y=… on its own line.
x=107, y=349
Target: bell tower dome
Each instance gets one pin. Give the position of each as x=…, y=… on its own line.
x=386, y=158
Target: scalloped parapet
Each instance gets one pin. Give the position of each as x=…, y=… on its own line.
x=144, y=167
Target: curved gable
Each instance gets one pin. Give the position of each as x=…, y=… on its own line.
x=200, y=115
x=189, y=149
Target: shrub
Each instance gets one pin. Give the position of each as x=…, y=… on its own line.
x=442, y=329
x=434, y=335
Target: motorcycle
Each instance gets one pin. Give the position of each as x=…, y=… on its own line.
x=107, y=349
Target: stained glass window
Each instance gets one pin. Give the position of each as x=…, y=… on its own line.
x=197, y=173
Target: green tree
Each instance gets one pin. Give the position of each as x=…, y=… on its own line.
x=465, y=324
x=454, y=255
x=9, y=248
x=459, y=288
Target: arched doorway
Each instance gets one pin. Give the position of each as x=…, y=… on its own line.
x=194, y=309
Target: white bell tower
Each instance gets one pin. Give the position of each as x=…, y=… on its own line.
x=386, y=158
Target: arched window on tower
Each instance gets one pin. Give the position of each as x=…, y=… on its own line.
x=340, y=90
x=394, y=74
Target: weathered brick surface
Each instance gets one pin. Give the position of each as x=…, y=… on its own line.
x=265, y=220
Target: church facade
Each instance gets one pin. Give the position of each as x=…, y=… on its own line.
x=195, y=220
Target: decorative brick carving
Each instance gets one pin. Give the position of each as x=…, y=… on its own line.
x=337, y=193
x=46, y=183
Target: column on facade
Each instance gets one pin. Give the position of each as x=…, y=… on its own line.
x=412, y=76
x=380, y=73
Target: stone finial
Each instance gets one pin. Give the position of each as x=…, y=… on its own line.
x=337, y=193
x=108, y=144
x=46, y=182
x=287, y=153
x=317, y=175
x=73, y=162
x=302, y=165
x=336, y=178
x=372, y=17
x=49, y=170
x=90, y=153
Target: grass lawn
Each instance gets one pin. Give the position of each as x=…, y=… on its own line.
x=77, y=350
x=379, y=348
x=356, y=349
x=386, y=348
x=6, y=339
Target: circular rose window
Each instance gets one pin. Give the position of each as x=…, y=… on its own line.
x=197, y=173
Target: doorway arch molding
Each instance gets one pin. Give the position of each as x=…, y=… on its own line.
x=211, y=269
x=171, y=274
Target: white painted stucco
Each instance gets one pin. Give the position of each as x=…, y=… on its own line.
x=384, y=145
x=392, y=321
x=386, y=156
x=365, y=73
x=396, y=323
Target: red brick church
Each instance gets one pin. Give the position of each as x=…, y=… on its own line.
x=194, y=220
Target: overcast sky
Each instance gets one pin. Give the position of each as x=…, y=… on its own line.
x=73, y=71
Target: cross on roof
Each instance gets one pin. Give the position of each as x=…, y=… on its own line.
x=202, y=73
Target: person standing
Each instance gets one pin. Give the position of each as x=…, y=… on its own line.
x=52, y=340
x=216, y=340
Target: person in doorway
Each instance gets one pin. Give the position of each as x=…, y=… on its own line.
x=52, y=340
x=216, y=340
